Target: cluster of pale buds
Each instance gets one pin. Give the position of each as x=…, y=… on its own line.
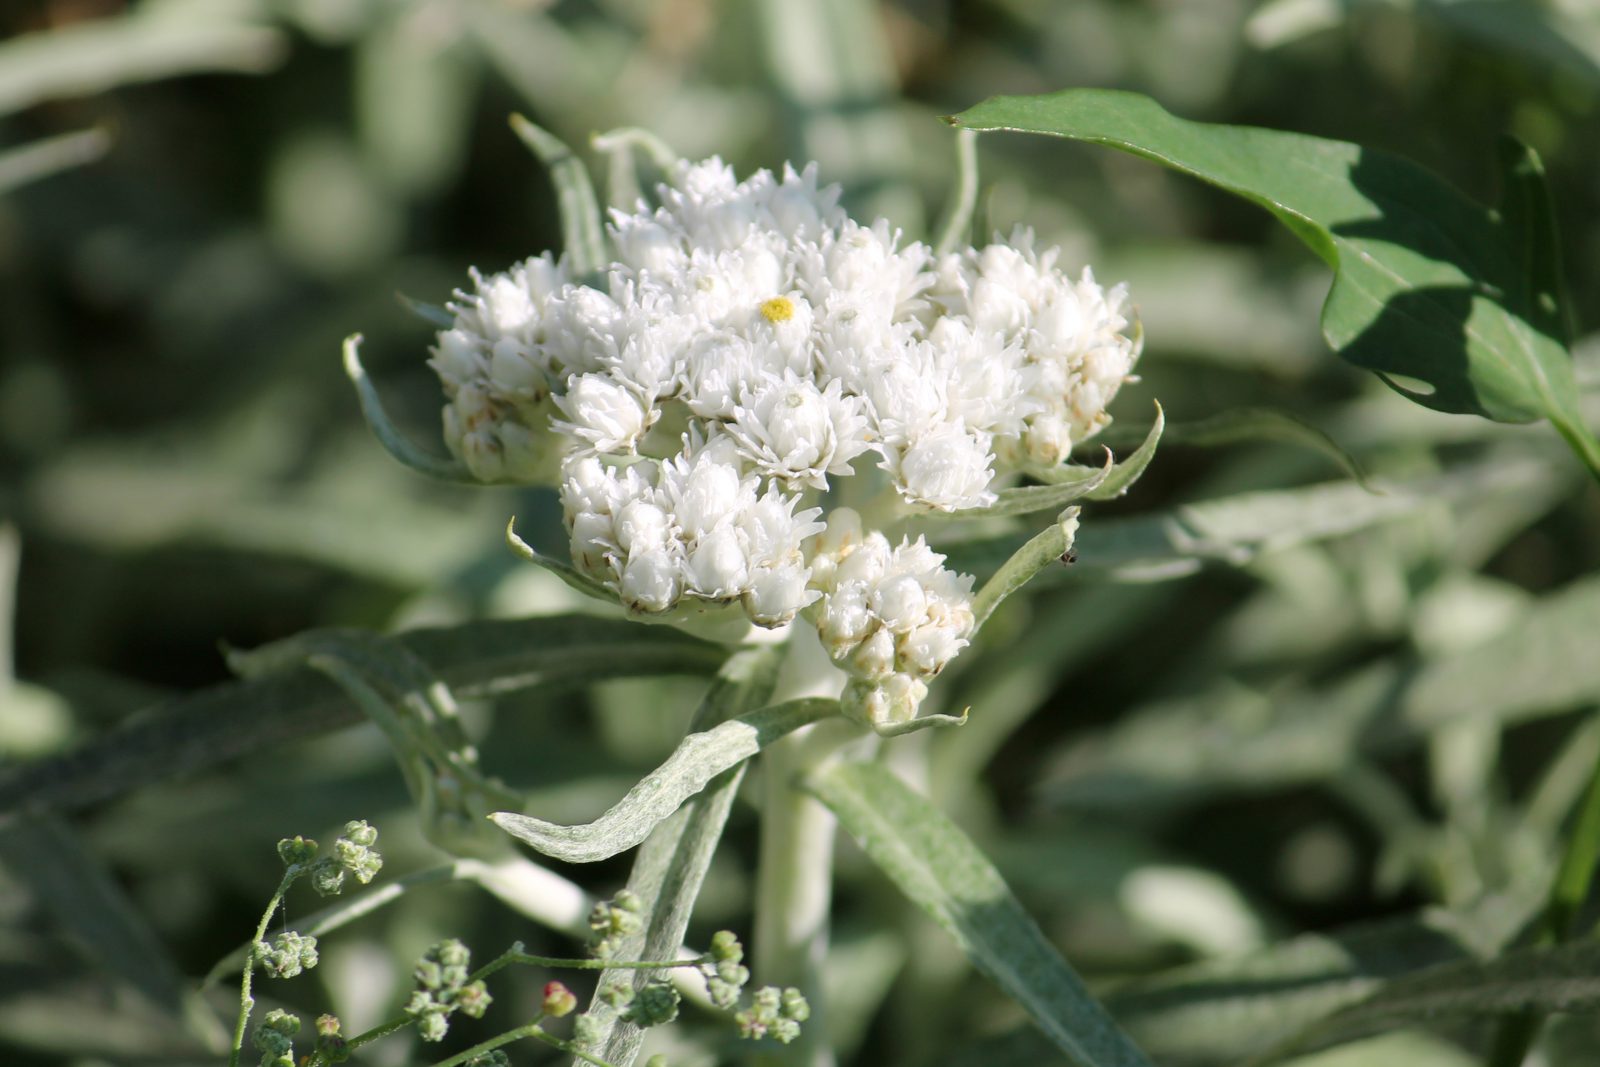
x=890, y=617
x=693, y=527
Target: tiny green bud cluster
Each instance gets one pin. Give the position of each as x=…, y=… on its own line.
x=442, y=988
x=653, y=1004
x=774, y=1012
x=274, y=1038
x=287, y=955
x=612, y=920
x=352, y=854
x=724, y=971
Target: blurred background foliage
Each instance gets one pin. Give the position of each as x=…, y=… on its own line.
x=1267, y=704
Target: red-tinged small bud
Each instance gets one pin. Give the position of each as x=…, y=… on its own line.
x=558, y=1000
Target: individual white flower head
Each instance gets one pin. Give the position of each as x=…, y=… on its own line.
x=947, y=468
x=604, y=413
x=799, y=434
x=705, y=487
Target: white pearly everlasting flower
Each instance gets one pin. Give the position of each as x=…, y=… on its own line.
x=751, y=354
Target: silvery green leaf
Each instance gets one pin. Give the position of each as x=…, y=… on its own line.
x=671, y=865
x=569, y=574
x=697, y=760
x=580, y=213
x=393, y=441
x=935, y=865
x=432, y=314
x=1053, y=545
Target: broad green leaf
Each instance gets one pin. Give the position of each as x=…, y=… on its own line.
x=480, y=659
x=50, y=155
x=582, y=235
x=1428, y=284
x=696, y=761
x=393, y=441
x=672, y=863
x=939, y=869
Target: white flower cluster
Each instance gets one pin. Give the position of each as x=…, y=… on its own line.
x=893, y=617
x=752, y=348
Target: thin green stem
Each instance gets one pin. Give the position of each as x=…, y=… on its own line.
x=246, y=1001
x=1516, y=1034
x=515, y=955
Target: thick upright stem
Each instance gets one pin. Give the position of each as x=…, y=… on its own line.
x=794, y=883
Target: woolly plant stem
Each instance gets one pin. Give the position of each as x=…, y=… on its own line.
x=794, y=880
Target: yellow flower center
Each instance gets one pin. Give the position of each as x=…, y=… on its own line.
x=778, y=309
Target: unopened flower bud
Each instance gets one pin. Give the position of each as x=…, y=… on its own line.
x=558, y=1000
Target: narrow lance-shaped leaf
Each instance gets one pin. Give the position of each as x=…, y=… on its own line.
x=1124, y=474
x=1070, y=482
x=1564, y=978
x=1428, y=285
x=580, y=212
x=393, y=441
x=569, y=574
x=1053, y=545
x=478, y=659
x=1264, y=424
x=939, y=869
x=697, y=760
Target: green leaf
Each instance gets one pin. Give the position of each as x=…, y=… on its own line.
x=99, y=54
x=1428, y=284
x=1264, y=424
x=580, y=212
x=569, y=574
x=1051, y=545
x=940, y=870
x=1233, y=530
x=1564, y=978
x=696, y=761
x=477, y=660
x=1067, y=483
x=395, y=443
x=1124, y=474
x=71, y=884
x=429, y=313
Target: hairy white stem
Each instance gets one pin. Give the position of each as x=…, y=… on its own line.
x=794, y=883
